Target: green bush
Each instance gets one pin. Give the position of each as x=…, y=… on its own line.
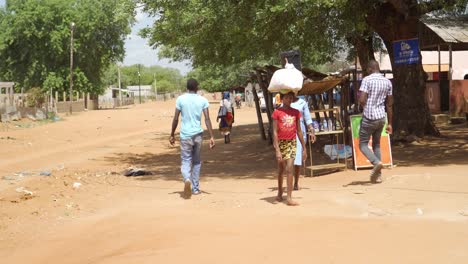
x=35, y=98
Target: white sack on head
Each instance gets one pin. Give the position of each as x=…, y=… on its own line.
x=288, y=78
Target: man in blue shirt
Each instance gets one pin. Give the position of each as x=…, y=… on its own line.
x=191, y=105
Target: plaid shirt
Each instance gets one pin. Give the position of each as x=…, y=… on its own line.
x=377, y=88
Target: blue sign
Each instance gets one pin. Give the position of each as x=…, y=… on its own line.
x=406, y=51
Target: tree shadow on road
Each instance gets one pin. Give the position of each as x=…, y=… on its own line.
x=362, y=183
x=247, y=156
x=450, y=149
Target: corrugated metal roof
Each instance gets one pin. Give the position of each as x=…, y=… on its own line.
x=444, y=31
x=450, y=29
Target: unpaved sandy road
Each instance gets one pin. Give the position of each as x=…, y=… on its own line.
x=418, y=215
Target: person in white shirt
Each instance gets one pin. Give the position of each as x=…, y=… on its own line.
x=225, y=117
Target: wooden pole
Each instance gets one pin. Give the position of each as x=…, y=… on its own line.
x=259, y=113
x=450, y=63
x=266, y=96
x=355, y=86
x=311, y=164
x=438, y=75
x=72, y=29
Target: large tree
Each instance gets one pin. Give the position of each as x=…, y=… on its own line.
x=211, y=35
x=225, y=41
x=395, y=20
x=35, y=41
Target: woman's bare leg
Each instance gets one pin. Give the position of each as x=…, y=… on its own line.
x=289, y=182
x=281, y=165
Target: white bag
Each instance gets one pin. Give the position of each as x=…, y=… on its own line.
x=288, y=79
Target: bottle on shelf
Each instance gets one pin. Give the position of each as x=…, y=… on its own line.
x=325, y=125
x=337, y=125
x=316, y=125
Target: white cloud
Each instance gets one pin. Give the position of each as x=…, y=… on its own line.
x=137, y=50
x=140, y=15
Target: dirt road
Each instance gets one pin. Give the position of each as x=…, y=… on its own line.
x=418, y=215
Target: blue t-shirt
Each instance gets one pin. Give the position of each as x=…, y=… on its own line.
x=191, y=107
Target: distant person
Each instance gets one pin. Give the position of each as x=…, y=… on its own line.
x=191, y=105
x=225, y=117
x=286, y=129
x=376, y=95
x=238, y=99
x=306, y=120
x=247, y=98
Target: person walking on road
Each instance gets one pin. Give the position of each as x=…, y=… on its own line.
x=286, y=130
x=306, y=120
x=225, y=117
x=376, y=95
x=191, y=105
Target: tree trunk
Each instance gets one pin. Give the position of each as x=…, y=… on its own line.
x=411, y=114
x=365, y=50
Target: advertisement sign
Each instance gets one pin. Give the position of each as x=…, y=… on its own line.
x=360, y=161
x=406, y=51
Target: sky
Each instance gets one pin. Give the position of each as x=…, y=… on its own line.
x=137, y=50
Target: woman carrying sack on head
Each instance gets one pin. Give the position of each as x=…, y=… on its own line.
x=225, y=117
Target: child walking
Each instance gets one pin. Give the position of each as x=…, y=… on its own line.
x=286, y=125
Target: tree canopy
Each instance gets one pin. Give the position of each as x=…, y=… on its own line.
x=224, y=41
x=35, y=41
x=218, y=37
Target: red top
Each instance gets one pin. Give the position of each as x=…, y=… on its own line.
x=286, y=120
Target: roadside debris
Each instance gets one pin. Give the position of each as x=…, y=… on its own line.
x=136, y=172
x=419, y=211
x=463, y=213
x=45, y=173
x=26, y=194
x=23, y=190
x=8, y=138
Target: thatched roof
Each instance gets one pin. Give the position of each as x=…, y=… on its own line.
x=319, y=87
x=313, y=75
x=314, y=83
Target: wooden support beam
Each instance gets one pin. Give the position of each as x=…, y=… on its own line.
x=259, y=112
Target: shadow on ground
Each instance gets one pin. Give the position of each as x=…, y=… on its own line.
x=248, y=156
x=449, y=149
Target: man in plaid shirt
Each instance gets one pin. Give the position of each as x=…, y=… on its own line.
x=376, y=95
